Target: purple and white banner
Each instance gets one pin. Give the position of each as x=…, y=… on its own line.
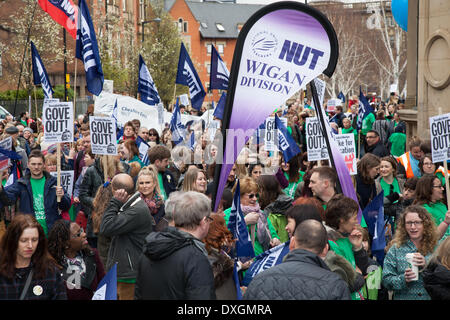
x=280, y=49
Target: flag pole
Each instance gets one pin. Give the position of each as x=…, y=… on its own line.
x=325, y=135
x=75, y=89
x=58, y=168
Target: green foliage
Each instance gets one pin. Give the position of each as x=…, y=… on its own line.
x=23, y=94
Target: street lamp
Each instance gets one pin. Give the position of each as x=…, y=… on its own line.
x=157, y=20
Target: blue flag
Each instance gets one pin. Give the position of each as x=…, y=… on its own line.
x=237, y=226
x=87, y=50
x=236, y=281
x=364, y=109
x=286, y=143
x=341, y=96
x=219, y=73
x=374, y=216
x=266, y=260
x=39, y=73
x=192, y=141
x=186, y=75
x=146, y=85
x=107, y=288
x=176, y=127
x=143, y=150
x=218, y=112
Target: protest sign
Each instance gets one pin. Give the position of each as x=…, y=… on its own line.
x=57, y=118
x=4, y=160
x=67, y=180
x=160, y=113
x=320, y=86
x=103, y=135
x=184, y=100
x=315, y=141
x=347, y=147
x=270, y=135
x=212, y=128
x=440, y=137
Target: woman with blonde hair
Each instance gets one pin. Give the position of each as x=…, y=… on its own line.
x=436, y=275
x=148, y=186
x=261, y=230
x=195, y=179
x=416, y=233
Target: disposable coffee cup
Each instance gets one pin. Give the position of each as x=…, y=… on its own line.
x=414, y=268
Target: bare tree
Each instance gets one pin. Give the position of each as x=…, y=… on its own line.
x=392, y=60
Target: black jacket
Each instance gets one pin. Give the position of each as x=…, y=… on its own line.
x=174, y=266
x=378, y=149
x=303, y=275
x=436, y=280
x=169, y=182
x=127, y=224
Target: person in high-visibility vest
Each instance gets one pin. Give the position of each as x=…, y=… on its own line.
x=409, y=161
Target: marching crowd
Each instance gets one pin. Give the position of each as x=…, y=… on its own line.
x=154, y=220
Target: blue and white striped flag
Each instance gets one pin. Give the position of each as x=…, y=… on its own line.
x=219, y=73
x=218, y=112
x=236, y=225
x=286, y=143
x=107, y=288
x=39, y=73
x=146, y=85
x=176, y=127
x=364, y=109
x=265, y=261
x=186, y=75
x=87, y=50
x=143, y=150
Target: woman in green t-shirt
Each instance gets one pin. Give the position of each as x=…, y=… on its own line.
x=429, y=194
x=294, y=176
x=344, y=237
x=392, y=187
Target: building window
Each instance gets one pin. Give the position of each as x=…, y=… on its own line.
x=209, y=48
x=185, y=27
x=142, y=10
x=208, y=68
x=182, y=26
x=220, y=48
x=124, y=3
x=220, y=27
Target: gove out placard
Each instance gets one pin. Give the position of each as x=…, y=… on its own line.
x=103, y=135
x=58, y=122
x=440, y=137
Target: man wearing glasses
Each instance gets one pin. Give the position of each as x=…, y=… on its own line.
x=375, y=145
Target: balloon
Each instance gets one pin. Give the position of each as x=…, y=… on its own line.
x=400, y=13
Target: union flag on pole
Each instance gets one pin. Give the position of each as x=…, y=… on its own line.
x=64, y=12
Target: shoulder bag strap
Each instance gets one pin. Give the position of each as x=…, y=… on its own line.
x=27, y=285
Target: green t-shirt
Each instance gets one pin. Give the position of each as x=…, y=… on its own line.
x=161, y=186
x=437, y=211
x=398, y=143
x=367, y=123
x=387, y=187
x=37, y=186
x=290, y=189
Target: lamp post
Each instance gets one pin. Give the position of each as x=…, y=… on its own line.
x=157, y=20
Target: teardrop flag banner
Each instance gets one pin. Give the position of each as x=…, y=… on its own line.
x=280, y=49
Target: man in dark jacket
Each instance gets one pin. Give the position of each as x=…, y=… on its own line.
x=37, y=193
x=303, y=275
x=128, y=221
x=174, y=265
x=375, y=145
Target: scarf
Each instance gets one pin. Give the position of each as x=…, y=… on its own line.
x=154, y=203
x=262, y=229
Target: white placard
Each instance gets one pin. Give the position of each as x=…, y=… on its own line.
x=270, y=136
x=184, y=100
x=315, y=141
x=103, y=135
x=212, y=129
x=67, y=178
x=347, y=147
x=320, y=88
x=393, y=88
x=440, y=137
x=57, y=118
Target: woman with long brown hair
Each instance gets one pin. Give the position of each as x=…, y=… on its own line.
x=416, y=233
x=24, y=258
x=430, y=195
x=368, y=168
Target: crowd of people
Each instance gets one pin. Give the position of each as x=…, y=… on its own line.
x=154, y=220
